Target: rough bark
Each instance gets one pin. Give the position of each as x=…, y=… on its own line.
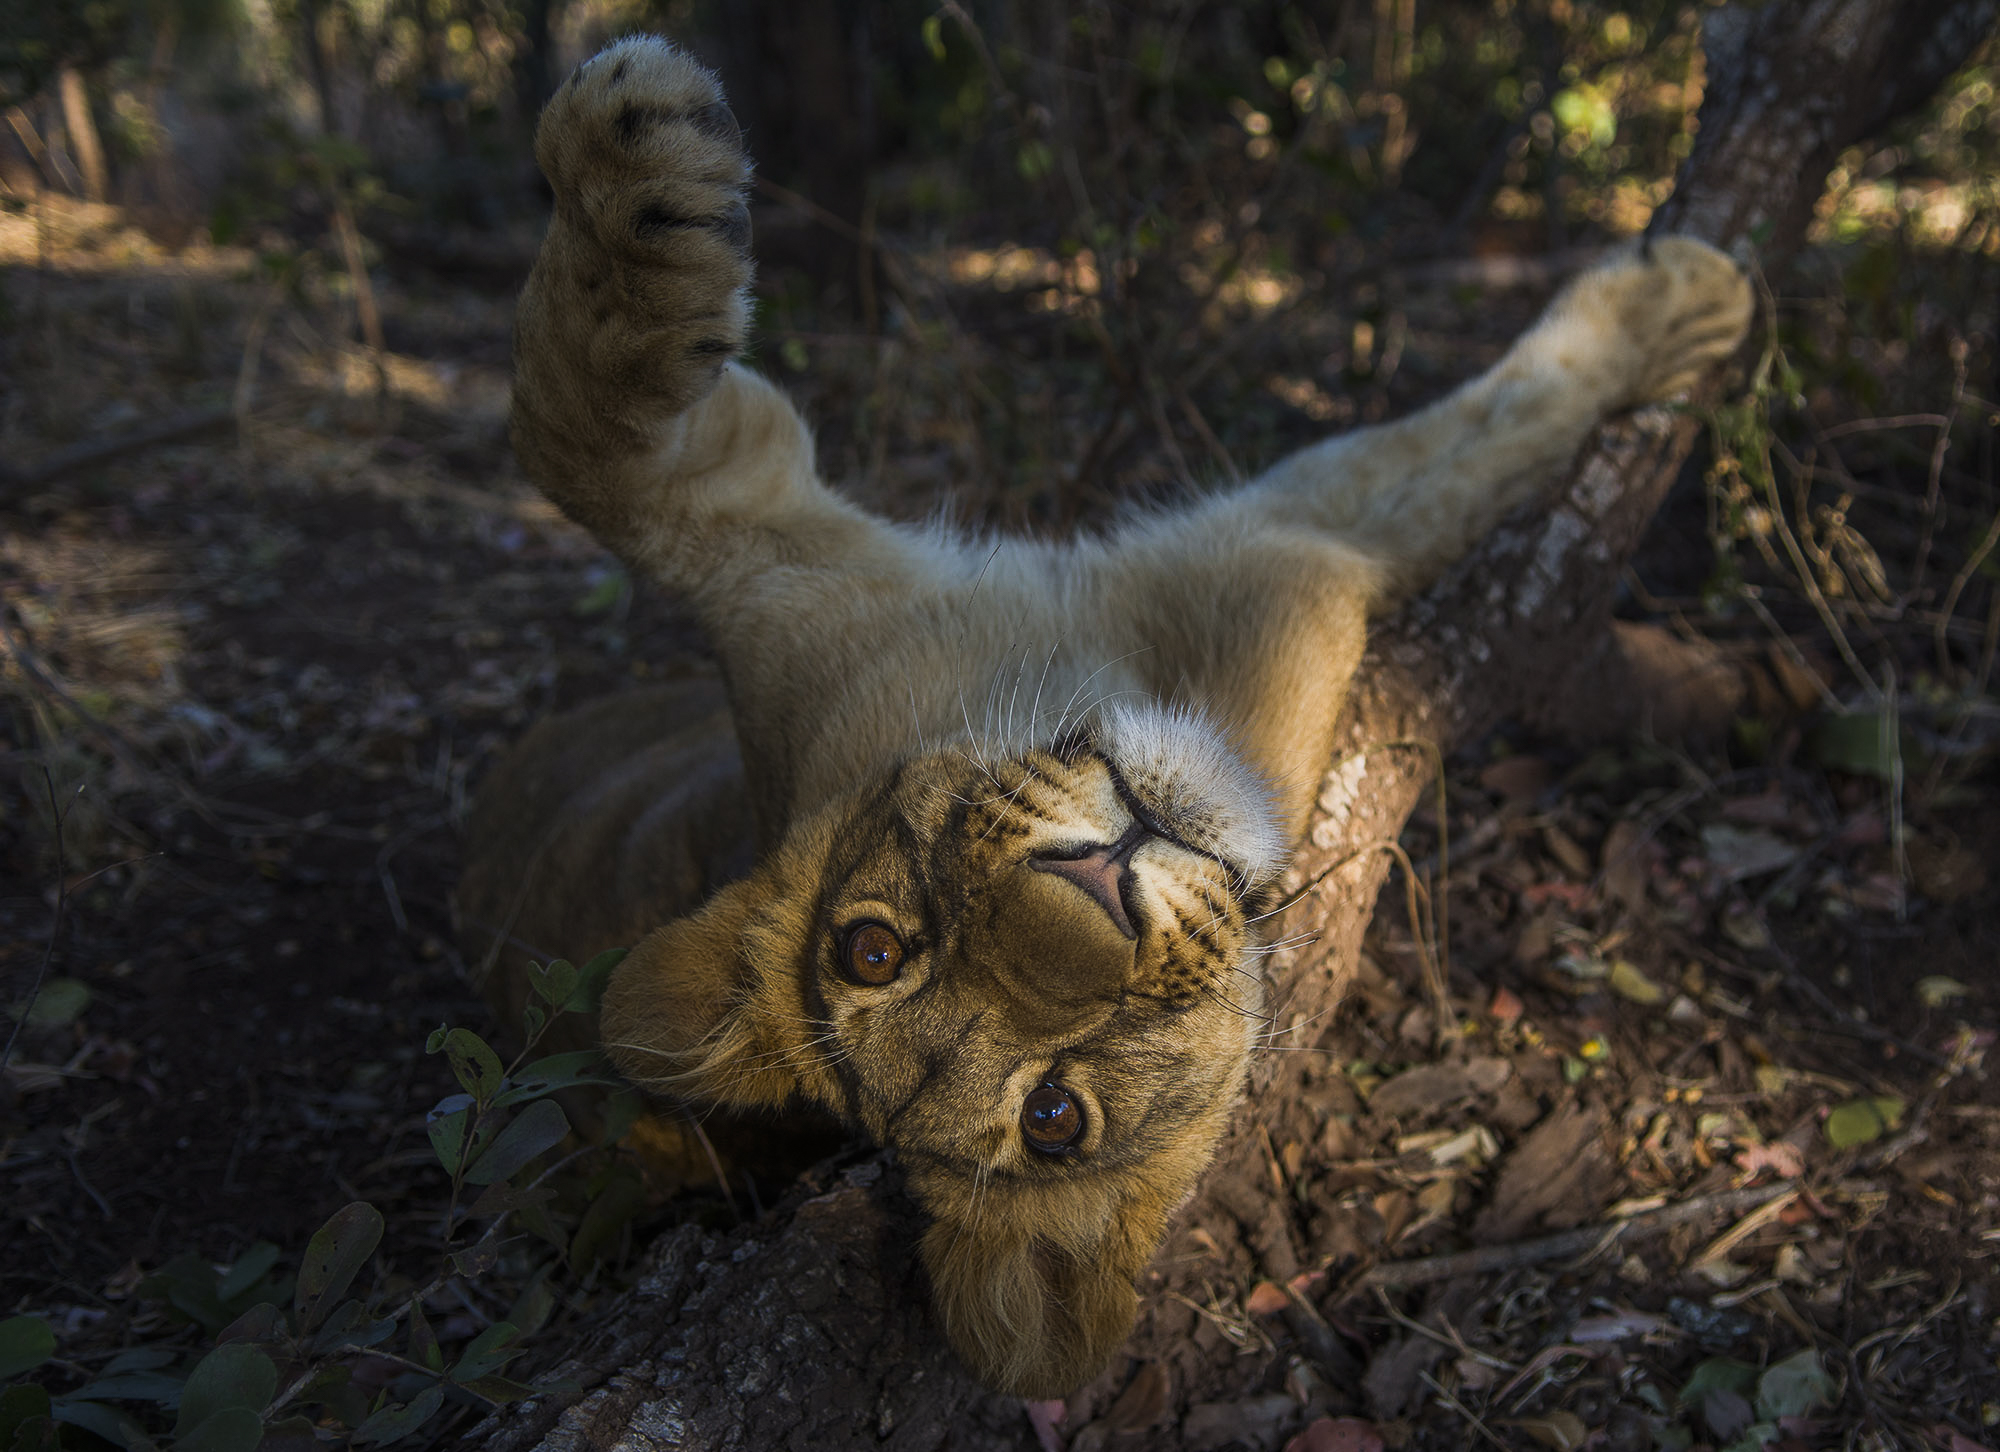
x=809, y=1328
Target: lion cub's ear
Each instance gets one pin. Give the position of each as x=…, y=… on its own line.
x=708, y=1007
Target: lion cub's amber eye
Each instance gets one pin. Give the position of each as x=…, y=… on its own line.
x=874, y=954
x=1051, y=1118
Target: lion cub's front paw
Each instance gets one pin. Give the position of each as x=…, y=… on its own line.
x=1672, y=308
x=650, y=179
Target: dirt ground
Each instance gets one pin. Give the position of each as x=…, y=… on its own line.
x=256, y=671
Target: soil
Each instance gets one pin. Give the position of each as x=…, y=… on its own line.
x=256, y=674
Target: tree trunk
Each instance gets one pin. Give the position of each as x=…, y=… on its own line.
x=809, y=1328
x=82, y=128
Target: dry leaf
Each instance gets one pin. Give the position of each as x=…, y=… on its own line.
x=1629, y=983
x=1624, y=861
x=1517, y=779
x=1563, y=1431
x=1736, y=853
x=1338, y=1434
x=1266, y=1298
x=1506, y=1007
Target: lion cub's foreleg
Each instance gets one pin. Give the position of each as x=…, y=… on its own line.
x=627, y=411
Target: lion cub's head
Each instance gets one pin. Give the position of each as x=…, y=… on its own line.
x=1025, y=973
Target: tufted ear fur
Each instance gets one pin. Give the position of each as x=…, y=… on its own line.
x=708, y=1008
x=1035, y=1311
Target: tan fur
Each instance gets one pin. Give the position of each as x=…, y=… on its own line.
x=926, y=723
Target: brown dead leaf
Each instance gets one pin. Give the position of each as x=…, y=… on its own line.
x=1437, y=1087
x=1563, y=1431
x=1256, y=1421
x=1624, y=861
x=1266, y=1298
x=1517, y=779
x=1780, y=1158
x=1563, y=847
x=1337, y=1434
x=1946, y=872
x=1537, y=940
x=1506, y=1007
x=1560, y=1175
x=1804, y=684
x=1143, y=1402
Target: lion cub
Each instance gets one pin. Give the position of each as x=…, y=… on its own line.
x=1013, y=942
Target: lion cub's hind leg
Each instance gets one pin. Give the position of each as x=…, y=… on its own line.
x=641, y=292
x=1651, y=321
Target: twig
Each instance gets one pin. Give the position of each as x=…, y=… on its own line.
x=1490, y=1258
x=1936, y=479
x=1958, y=584
x=82, y=456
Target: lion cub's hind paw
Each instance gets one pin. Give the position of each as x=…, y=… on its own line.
x=1707, y=303
x=648, y=165
x=1682, y=306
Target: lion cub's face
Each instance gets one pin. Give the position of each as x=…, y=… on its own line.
x=1026, y=974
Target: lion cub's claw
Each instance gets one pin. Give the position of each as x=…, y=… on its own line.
x=651, y=179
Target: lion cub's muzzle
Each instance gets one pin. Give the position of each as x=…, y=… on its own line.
x=1103, y=872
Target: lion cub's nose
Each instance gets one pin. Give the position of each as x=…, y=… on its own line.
x=1100, y=871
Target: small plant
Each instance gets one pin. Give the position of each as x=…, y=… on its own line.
x=296, y=1362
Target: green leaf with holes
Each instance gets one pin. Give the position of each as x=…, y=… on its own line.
x=333, y=1258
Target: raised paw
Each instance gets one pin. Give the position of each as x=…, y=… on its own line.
x=651, y=240
x=1672, y=306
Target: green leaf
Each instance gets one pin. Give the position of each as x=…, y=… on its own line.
x=436, y=1040
x=621, y=1111
x=477, y=1259
x=232, y=1429
x=1794, y=1387
x=333, y=1258
x=555, y=982
x=37, y=1434
x=445, y=1124
x=487, y=1353
x=538, y=1127
x=350, y=1327
x=615, y=1207
x=503, y=1198
x=263, y=1324
x=109, y=1423
x=1857, y=744
x=133, y=1386
x=142, y=1358
x=20, y=1404
x=477, y=1066
x=557, y=1071
x=1860, y=1121
x=25, y=1343
x=1718, y=1374
x=534, y=1018
x=393, y=1423
x=588, y=995
x=603, y=595
x=231, y=1377
x=423, y=1341
x=248, y=1270
x=61, y=1001
x=293, y=1434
